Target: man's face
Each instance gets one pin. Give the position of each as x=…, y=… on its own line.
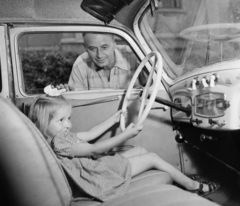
x=100, y=48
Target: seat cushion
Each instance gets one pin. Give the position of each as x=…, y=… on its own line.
x=145, y=179
x=154, y=195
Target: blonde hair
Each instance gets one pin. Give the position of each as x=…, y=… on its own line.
x=42, y=110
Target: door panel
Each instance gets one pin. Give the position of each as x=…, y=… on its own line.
x=157, y=134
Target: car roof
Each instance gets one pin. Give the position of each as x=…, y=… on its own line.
x=55, y=11
x=43, y=11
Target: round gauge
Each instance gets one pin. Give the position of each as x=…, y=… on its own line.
x=209, y=105
x=220, y=104
x=200, y=104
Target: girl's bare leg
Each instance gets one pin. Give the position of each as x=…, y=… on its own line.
x=146, y=161
x=133, y=152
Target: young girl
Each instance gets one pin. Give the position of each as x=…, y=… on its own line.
x=101, y=174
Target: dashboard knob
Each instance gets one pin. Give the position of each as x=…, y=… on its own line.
x=211, y=121
x=195, y=83
x=204, y=137
x=205, y=81
x=179, y=138
x=197, y=121
x=220, y=123
x=214, y=78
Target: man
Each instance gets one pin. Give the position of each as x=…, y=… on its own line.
x=103, y=65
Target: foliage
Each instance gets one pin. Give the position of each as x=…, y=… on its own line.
x=42, y=67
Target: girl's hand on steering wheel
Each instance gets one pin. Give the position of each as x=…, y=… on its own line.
x=116, y=116
x=134, y=130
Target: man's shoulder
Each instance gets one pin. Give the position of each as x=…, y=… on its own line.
x=125, y=52
x=81, y=59
x=124, y=49
x=125, y=56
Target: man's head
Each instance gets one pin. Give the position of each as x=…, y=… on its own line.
x=100, y=48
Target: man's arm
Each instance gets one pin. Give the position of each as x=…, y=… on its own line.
x=78, y=77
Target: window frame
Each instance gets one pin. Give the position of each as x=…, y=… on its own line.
x=17, y=31
x=171, y=4
x=6, y=73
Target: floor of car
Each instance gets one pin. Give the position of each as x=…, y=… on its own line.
x=234, y=200
x=229, y=190
x=224, y=197
x=214, y=170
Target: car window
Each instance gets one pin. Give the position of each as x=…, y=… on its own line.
x=61, y=57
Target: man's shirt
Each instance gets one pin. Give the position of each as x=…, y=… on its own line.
x=87, y=75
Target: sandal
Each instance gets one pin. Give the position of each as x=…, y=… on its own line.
x=212, y=187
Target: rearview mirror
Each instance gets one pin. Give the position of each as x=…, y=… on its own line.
x=154, y=6
x=104, y=10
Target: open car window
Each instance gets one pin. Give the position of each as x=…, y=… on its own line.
x=53, y=58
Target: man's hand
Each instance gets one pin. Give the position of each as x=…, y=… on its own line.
x=65, y=86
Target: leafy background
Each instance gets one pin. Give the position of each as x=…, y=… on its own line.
x=42, y=67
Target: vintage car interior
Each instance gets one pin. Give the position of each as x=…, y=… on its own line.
x=189, y=107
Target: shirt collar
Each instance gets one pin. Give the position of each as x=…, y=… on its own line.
x=121, y=62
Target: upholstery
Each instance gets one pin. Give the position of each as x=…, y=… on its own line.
x=31, y=175
x=28, y=166
x=154, y=195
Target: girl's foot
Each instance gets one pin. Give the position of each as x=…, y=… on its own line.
x=205, y=188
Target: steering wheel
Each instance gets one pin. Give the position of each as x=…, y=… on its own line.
x=231, y=31
x=144, y=110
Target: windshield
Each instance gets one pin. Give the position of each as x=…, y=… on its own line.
x=191, y=34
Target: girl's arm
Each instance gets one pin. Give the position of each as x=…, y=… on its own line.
x=97, y=130
x=105, y=145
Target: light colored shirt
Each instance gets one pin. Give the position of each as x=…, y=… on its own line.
x=86, y=75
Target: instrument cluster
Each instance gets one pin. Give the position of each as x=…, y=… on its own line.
x=214, y=99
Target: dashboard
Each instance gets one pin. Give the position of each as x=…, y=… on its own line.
x=213, y=94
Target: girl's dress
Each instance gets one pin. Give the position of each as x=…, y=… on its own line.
x=103, y=176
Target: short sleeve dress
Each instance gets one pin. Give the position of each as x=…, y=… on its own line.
x=102, y=176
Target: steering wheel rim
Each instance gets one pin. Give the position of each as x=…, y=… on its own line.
x=214, y=37
x=157, y=65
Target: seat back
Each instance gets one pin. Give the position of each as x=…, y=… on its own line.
x=29, y=171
